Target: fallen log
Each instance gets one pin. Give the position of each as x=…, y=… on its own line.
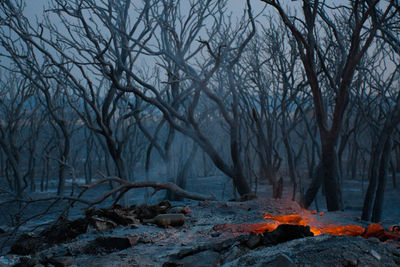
x=129, y=215
x=125, y=186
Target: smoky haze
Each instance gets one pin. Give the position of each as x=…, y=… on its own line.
x=200, y=100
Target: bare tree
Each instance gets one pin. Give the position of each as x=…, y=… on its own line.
x=224, y=51
x=96, y=47
x=272, y=68
x=18, y=116
x=314, y=54
x=382, y=112
x=62, y=119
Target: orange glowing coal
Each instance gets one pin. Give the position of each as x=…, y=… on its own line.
x=317, y=226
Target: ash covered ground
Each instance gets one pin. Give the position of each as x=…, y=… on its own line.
x=199, y=242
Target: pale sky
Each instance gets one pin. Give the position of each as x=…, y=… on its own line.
x=35, y=7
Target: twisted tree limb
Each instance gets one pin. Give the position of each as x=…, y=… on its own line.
x=125, y=186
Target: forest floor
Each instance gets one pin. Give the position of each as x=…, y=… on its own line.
x=203, y=240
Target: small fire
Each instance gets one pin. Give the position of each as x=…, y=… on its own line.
x=317, y=226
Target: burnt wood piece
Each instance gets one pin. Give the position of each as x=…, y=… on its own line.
x=287, y=232
x=65, y=230
x=61, y=231
x=117, y=215
x=283, y=233
x=27, y=244
x=129, y=215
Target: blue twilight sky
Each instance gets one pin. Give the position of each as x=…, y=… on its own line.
x=35, y=7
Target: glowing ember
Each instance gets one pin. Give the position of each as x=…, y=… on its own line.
x=317, y=226
x=395, y=229
x=374, y=230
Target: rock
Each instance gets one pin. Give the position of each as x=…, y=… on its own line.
x=6, y=261
x=282, y=260
x=350, y=259
x=183, y=210
x=215, y=234
x=163, y=220
x=375, y=254
x=25, y=262
x=107, y=244
x=65, y=230
x=186, y=210
x=27, y=244
x=206, y=258
x=253, y=241
x=134, y=239
x=396, y=259
x=2, y=231
x=134, y=226
x=232, y=254
x=103, y=224
x=61, y=261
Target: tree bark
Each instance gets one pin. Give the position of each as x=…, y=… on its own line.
x=291, y=165
x=126, y=186
x=383, y=170
x=181, y=178
x=62, y=168
x=394, y=176
x=317, y=179
x=331, y=174
x=373, y=172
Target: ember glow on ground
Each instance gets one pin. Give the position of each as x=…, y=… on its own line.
x=317, y=225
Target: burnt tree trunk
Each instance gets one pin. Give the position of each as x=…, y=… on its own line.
x=291, y=165
x=382, y=177
x=317, y=179
x=264, y=152
x=62, y=166
x=181, y=178
x=13, y=160
x=375, y=170
x=277, y=189
x=309, y=48
x=116, y=154
x=394, y=177
x=331, y=174
x=239, y=179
